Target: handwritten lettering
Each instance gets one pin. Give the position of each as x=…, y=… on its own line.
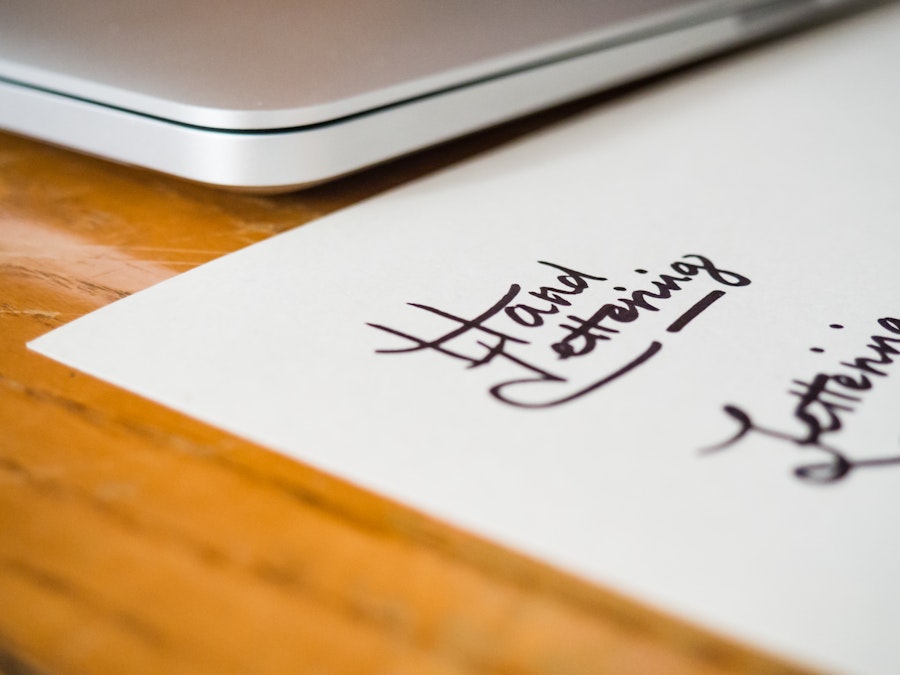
x=476, y=343
x=583, y=336
x=823, y=403
x=575, y=282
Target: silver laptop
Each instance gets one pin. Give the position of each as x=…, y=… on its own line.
x=277, y=94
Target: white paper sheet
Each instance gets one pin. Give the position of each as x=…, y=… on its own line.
x=760, y=197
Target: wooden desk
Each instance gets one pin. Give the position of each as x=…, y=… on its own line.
x=136, y=540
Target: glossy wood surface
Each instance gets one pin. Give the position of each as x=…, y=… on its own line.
x=136, y=540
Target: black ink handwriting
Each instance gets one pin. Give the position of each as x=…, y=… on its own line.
x=477, y=344
x=823, y=403
x=583, y=336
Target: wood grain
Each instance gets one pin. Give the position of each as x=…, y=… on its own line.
x=135, y=540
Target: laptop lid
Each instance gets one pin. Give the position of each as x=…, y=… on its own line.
x=286, y=93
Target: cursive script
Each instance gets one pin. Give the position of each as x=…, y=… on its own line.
x=476, y=343
x=823, y=403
